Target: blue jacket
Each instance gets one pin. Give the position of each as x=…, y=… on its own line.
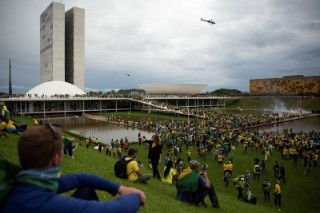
x=32, y=198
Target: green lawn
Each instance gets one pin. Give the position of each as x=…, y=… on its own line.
x=274, y=102
x=299, y=194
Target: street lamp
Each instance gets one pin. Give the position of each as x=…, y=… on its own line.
x=188, y=113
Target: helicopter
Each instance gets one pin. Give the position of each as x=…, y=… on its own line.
x=209, y=21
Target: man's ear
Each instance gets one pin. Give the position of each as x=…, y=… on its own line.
x=55, y=160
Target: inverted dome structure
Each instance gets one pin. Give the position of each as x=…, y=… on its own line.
x=53, y=88
x=173, y=89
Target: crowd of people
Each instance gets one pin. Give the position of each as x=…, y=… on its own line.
x=214, y=138
x=7, y=124
x=218, y=136
x=38, y=185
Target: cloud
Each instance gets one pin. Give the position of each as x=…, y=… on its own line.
x=165, y=41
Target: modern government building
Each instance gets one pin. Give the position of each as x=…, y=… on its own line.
x=62, y=59
x=288, y=85
x=62, y=51
x=62, y=39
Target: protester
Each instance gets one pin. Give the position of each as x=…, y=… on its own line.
x=6, y=122
x=193, y=187
x=139, y=138
x=256, y=171
x=266, y=187
x=220, y=158
x=35, y=121
x=169, y=173
x=248, y=176
x=282, y=173
x=38, y=185
x=295, y=157
x=68, y=148
x=225, y=168
x=239, y=182
x=277, y=194
x=230, y=167
x=133, y=172
x=248, y=196
x=226, y=178
x=155, y=155
x=276, y=168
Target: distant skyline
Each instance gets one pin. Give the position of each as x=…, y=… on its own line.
x=128, y=43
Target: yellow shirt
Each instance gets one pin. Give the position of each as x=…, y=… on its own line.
x=225, y=166
x=255, y=169
x=132, y=167
x=277, y=189
x=10, y=124
x=240, y=184
x=119, y=149
x=35, y=122
x=169, y=177
x=3, y=125
x=267, y=153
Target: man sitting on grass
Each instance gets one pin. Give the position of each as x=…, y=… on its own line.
x=133, y=169
x=193, y=186
x=38, y=185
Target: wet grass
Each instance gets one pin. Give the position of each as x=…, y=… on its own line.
x=299, y=194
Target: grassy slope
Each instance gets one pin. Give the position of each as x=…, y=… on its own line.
x=299, y=194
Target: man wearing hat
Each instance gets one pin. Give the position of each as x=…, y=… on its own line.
x=133, y=172
x=193, y=186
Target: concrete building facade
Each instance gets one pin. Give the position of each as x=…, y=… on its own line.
x=75, y=36
x=288, y=85
x=52, y=43
x=62, y=50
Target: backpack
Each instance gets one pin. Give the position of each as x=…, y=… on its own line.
x=120, y=168
x=8, y=171
x=257, y=169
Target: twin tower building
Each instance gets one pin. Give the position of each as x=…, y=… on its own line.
x=62, y=46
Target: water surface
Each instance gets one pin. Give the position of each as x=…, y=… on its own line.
x=107, y=131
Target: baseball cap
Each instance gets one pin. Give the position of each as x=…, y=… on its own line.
x=194, y=164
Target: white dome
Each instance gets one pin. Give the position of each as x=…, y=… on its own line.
x=51, y=88
x=179, y=89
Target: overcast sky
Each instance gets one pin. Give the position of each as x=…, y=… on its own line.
x=164, y=41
